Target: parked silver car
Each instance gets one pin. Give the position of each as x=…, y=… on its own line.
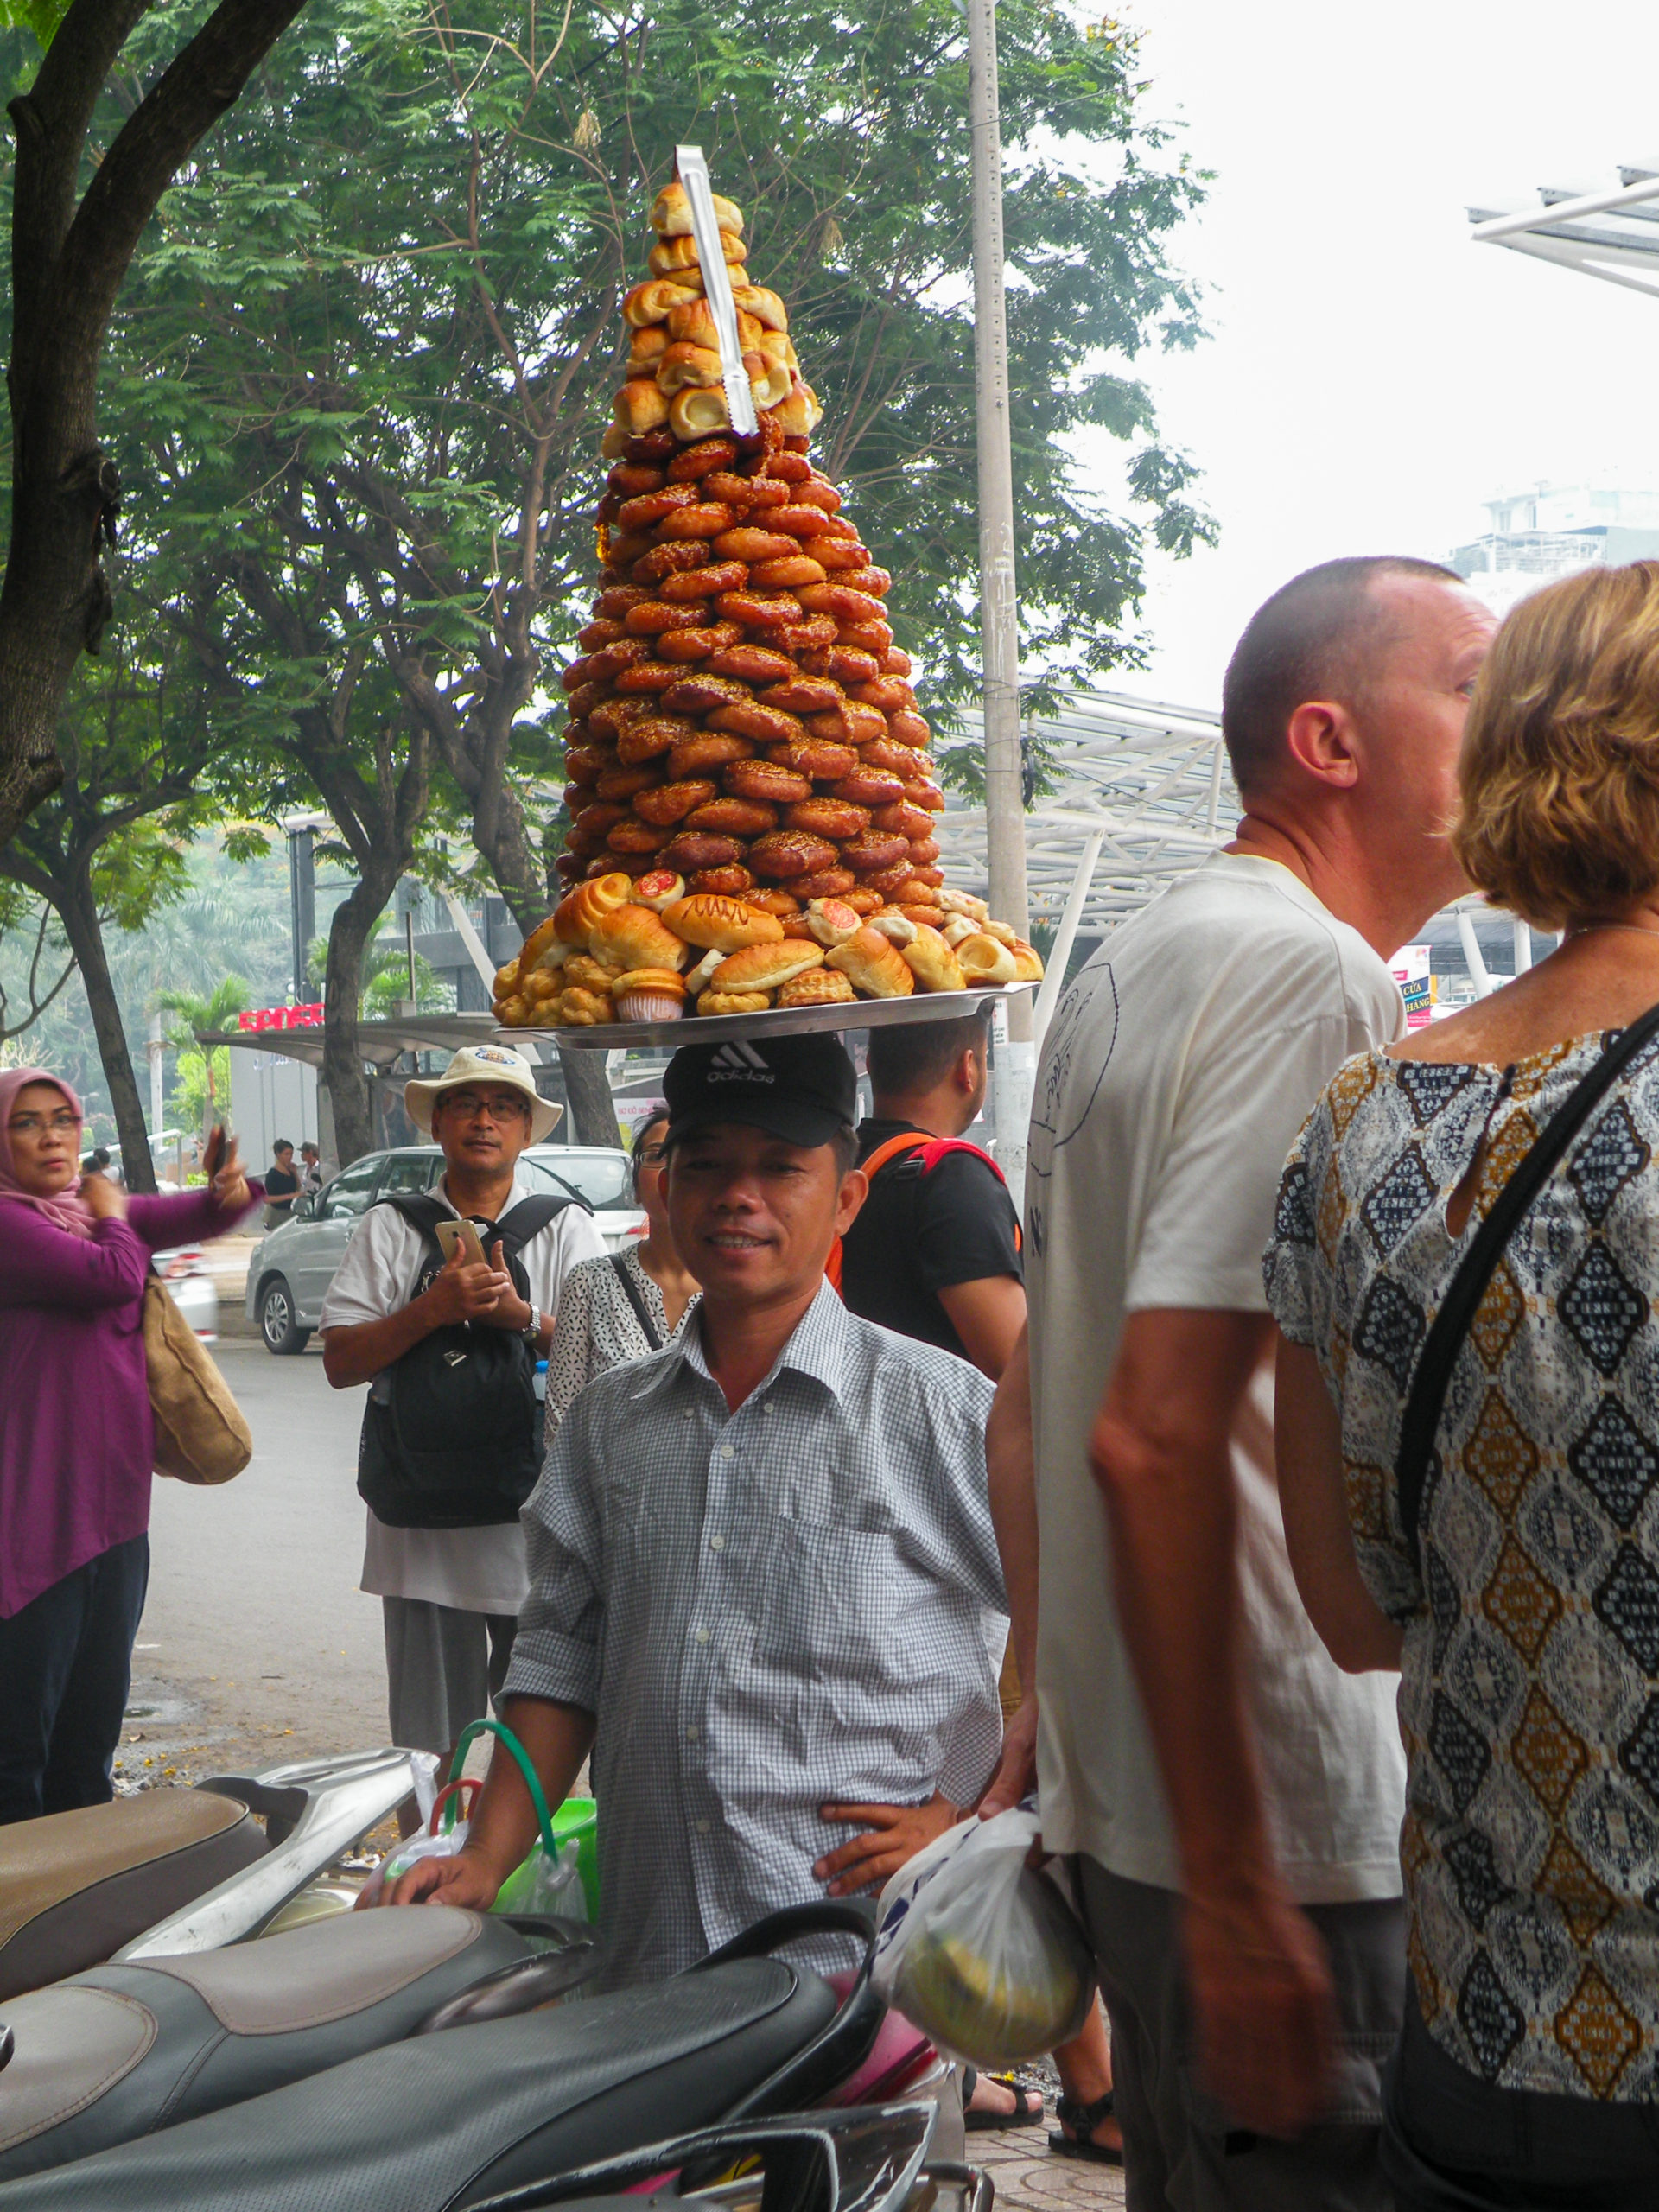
x=292, y=1267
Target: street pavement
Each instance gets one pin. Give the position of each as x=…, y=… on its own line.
x=257, y=1644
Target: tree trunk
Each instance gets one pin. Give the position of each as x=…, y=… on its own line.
x=67, y=269
x=85, y=935
x=349, y=1090
x=501, y=837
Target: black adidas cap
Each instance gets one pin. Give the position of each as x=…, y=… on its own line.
x=800, y=1088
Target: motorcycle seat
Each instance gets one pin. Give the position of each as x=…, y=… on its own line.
x=75, y=1886
x=121, y=2050
x=445, y=2121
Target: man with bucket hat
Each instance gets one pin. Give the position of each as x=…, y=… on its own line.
x=759, y=1560
x=451, y=1442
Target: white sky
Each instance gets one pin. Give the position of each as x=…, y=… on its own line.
x=1372, y=375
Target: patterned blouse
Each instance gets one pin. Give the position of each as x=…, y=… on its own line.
x=597, y=1329
x=1529, y=1696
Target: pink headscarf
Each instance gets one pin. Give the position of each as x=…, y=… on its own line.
x=66, y=1211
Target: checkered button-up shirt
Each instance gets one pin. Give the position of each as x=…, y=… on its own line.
x=768, y=1610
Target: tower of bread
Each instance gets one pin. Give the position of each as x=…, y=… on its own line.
x=743, y=739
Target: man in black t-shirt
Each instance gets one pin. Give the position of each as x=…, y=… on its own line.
x=281, y=1185
x=935, y=1251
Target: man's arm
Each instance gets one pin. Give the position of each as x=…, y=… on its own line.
x=987, y=1315
x=558, y=1737
x=358, y=1351
x=1011, y=1467
x=1260, y=1986
x=1307, y=1445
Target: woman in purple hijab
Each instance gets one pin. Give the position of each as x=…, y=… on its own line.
x=75, y=1439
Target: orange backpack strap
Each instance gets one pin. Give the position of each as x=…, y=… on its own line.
x=907, y=1140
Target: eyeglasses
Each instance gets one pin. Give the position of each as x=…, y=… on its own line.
x=653, y=1155
x=62, y=1124
x=471, y=1108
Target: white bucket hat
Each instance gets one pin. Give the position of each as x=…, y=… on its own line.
x=484, y=1063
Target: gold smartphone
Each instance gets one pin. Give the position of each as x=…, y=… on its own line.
x=461, y=1235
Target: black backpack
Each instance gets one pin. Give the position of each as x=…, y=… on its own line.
x=452, y=1433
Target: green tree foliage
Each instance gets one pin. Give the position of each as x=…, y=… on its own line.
x=362, y=376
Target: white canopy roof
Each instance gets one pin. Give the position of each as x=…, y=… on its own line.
x=1613, y=234
x=1151, y=779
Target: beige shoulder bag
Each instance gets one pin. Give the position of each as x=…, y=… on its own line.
x=200, y=1433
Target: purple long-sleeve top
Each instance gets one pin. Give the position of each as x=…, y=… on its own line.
x=75, y=1428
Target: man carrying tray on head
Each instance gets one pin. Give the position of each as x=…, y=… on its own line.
x=758, y=1559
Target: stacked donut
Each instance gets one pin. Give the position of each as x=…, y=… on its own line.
x=742, y=727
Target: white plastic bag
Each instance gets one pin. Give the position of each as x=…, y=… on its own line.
x=979, y=1951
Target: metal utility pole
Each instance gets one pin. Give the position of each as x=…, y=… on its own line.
x=1005, y=824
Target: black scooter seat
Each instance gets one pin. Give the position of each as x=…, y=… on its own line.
x=117, y=2051
x=445, y=2120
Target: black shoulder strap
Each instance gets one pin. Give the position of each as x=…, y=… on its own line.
x=631, y=1291
x=527, y=1219
x=1468, y=1286
x=421, y=1209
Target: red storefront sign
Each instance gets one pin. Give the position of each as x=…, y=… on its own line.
x=281, y=1017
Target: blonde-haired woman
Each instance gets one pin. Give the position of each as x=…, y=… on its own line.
x=1521, y=1597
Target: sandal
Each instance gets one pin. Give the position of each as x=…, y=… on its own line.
x=1027, y=2105
x=1085, y=2120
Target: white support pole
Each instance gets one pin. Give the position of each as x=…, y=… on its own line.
x=1005, y=813
x=477, y=951
x=1066, y=938
x=156, y=1048
x=1485, y=983
x=1522, y=946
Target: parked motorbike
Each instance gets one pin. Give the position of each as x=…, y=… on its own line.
x=222, y=2079
x=181, y=1870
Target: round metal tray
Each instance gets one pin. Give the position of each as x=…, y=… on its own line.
x=777, y=1021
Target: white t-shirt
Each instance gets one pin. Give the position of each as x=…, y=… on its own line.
x=480, y=1570
x=1179, y=1069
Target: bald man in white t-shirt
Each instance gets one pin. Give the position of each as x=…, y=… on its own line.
x=1231, y=1799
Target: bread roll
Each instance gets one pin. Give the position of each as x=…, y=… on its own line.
x=633, y=937
x=646, y=349
x=1028, y=961
x=671, y=212
x=766, y=967
x=575, y=917
x=722, y=924
x=817, y=987
x=639, y=406
x=685, y=364
x=584, y=1009
x=697, y=979
x=693, y=319
x=541, y=983
x=693, y=413
x=832, y=921
x=873, y=966
x=659, y=890
x=680, y=251
x=764, y=305
x=534, y=945
x=932, y=962
x=896, y=927
x=507, y=982
x=651, y=301
x=963, y=902
x=800, y=414
x=514, y=1012
x=770, y=386
x=982, y=960
x=734, y=1002
x=582, y=972
x=957, y=927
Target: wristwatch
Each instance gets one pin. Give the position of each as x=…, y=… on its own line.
x=532, y=1330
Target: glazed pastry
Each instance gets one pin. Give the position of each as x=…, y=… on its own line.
x=766, y=967
x=817, y=986
x=722, y=924
x=873, y=966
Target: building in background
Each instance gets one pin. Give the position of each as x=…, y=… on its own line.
x=1545, y=531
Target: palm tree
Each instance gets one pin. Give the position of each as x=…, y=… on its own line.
x=227, y=999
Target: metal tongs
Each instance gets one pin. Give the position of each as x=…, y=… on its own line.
x=717, y=288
